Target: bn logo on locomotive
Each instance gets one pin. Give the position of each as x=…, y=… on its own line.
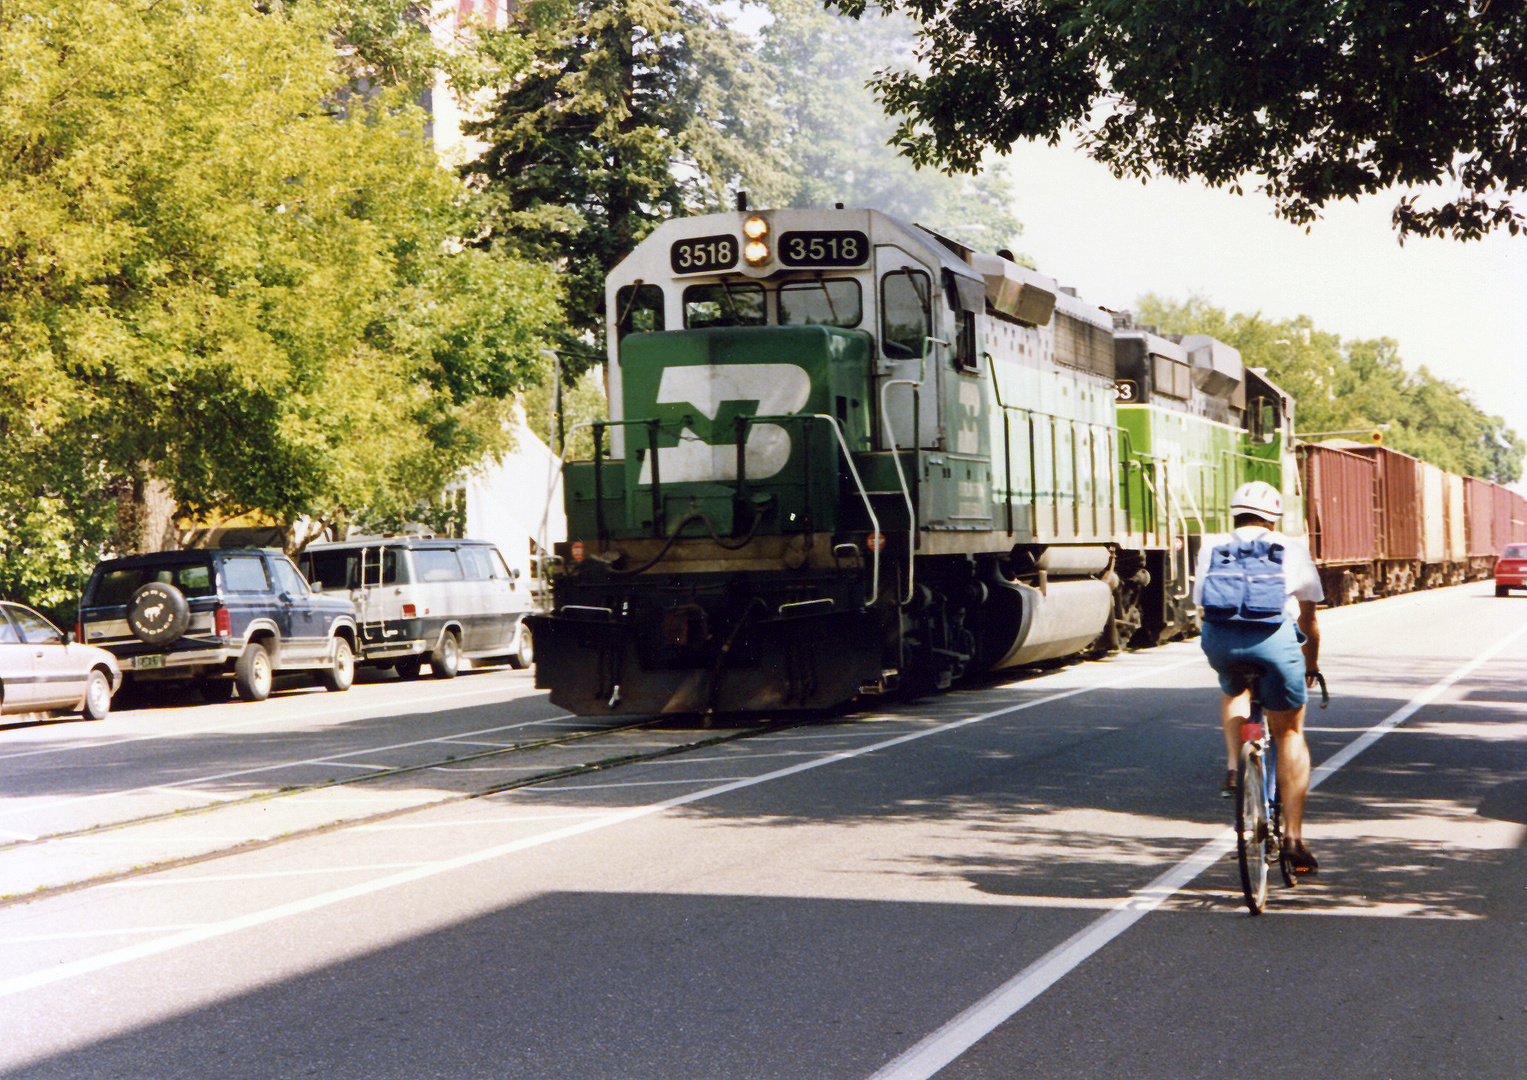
x=703, y=402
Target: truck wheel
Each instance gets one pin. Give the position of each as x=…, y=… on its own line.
x=342, y=673
x=445, y=661
x=253, y=674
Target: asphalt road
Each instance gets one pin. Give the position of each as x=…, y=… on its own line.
x=1024, y=880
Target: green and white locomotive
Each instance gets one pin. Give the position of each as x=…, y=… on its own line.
x=849, y=455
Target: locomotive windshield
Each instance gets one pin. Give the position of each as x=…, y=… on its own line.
x=821, y=303
x=724, y=304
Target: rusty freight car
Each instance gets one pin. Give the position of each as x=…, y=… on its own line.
x=1341, y=491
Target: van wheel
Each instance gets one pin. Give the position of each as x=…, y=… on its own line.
x=253, y=675
x=342, y=673
x=445, y=661
x=525, y=655
x=410, y=668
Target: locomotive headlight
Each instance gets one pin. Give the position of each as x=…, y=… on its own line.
x=756, y=250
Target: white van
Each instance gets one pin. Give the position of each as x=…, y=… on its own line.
x=420, y=599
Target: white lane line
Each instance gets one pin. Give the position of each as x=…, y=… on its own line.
x=950, y=1041
x=117, y=957
x=475, y=823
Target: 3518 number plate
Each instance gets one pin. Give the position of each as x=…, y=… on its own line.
x=703, y=254
x=837, y=248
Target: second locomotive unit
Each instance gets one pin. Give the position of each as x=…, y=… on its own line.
x=847, y=454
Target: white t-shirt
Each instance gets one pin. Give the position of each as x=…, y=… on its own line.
x=1299, y=574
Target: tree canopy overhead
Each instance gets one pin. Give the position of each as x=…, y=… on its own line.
x=1314, y=101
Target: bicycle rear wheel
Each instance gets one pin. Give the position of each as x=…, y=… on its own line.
x=1251, y=828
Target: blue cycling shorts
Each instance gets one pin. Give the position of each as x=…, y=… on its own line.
x=1276, y=648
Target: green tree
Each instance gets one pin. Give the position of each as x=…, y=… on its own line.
x=836, y=137
x=1318, y=101
x=213, y=284
x=626, y=114
x=1356, y=386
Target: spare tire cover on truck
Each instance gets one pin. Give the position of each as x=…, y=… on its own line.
x=158, y=613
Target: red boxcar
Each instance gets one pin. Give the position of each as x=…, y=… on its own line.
x=1479, y=516
x=1400, y=520
x=1341, y=508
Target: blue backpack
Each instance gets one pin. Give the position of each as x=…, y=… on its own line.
x=1245, y=583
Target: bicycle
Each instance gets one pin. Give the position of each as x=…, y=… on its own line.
x=1258, y=806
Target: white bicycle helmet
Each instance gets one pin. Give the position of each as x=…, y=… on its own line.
x=1259, y=498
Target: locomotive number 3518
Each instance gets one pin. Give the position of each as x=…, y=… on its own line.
x=836, y=248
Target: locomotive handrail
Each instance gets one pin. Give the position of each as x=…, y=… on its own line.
x=652, y=425
x=890, y=437
x=832, y=422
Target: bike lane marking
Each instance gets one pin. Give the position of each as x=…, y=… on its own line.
x=945, y=1045
x=128, y=954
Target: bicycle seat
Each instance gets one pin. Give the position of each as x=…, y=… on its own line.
x=1246, y=672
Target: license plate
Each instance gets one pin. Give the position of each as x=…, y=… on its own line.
x=143, y=663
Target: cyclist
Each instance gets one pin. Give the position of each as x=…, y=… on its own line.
x=1287, y=647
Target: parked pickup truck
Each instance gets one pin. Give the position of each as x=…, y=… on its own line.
x=221, y=619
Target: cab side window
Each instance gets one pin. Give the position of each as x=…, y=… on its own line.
x=639, y=309
x=288, y=579
x=476, y=564
x=905, y=315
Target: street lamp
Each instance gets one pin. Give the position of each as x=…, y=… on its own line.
x=556, y=394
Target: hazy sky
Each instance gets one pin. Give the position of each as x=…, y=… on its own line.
x=1459, y=309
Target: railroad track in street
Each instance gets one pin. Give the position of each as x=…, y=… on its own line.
x=607, y=745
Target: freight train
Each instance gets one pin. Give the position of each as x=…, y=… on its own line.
x=847, y=455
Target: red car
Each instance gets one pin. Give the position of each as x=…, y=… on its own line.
x=1511, y=569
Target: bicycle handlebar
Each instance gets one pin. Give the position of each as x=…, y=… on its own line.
x=1325, y=695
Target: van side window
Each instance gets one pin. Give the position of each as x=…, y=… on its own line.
x=436, y=564
x=474, y=560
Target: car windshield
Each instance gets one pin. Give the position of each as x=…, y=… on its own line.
x=1515, y=551
x=117, y=586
